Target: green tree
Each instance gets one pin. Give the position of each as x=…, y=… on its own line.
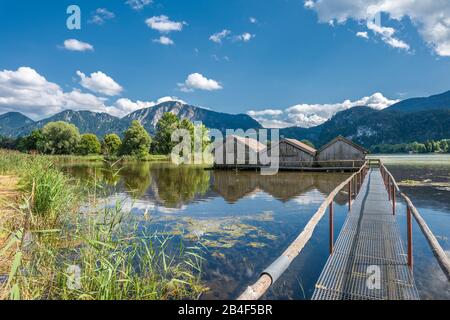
x=31, y=142
x=162, y=142
x=89, y=144
x=111, y=144
x=59, y=138
x=136, y=141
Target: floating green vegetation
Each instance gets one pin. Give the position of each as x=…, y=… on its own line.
x=424, y=183
x=256, y=245
x=224, y=233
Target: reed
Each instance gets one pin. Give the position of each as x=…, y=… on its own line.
x=99, y=253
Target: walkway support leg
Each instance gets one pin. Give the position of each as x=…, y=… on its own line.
x=410, y=244
x=331, y=212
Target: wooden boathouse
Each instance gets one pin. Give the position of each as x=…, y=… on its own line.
x=339, y=151
x=247, y=153
x=238, y=151
x=293, y=153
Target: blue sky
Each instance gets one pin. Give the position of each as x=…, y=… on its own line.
x=282, y=59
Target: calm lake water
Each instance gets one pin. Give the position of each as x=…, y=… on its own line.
x=245, y=220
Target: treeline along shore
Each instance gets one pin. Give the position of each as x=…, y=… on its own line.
x=64, y=139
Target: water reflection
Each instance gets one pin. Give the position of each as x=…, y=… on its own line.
x=245, y=220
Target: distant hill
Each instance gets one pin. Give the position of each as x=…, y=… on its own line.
x=11, y=122
x=436, y=102
x=16, y=124
x=150, y=117
x=370, y=127
x=85, y=121
x=419, y=119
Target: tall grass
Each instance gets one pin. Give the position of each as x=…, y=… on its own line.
x=100, y=253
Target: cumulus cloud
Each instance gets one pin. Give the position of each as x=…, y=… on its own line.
x=138, y=4
x=163, y=24
x=311, y=115
x=361, y=34
x=197, y=81
x=25, y=90
x=387, y=35
x=76, y=45
x=166, y=41
x=219, y=36
x=245, y=37
x=431, y=17
x=253, y=20
x=127, y=106
x=101, y=15
x=100, y=83
x=268, y=112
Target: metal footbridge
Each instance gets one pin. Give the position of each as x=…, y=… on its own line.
x=368, y=260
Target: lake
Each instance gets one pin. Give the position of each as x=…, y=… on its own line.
x=245, y=220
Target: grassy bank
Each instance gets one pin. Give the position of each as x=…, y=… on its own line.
x=66, y=243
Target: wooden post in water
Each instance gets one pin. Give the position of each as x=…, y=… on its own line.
x=331, y=212
x=410, y=244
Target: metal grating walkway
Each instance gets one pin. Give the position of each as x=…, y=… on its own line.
x=369, y=239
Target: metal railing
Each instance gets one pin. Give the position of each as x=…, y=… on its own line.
x=276, y=269
x=411, y=210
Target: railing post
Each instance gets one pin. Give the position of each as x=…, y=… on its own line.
x=388, y=187
x=349, y=196
x=393, y=200
x=331, y=212
x=410, y=244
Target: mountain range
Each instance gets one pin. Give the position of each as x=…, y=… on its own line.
x=417, y=119
x=15, y=124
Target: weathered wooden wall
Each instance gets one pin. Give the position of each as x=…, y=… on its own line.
x=291, y=156
x=229, y=156
x=340, y=150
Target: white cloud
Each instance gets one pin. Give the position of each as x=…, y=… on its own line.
x=138, y=4
x=166, y=41
x=163, y=24
x=253, y=20
x=361, y=34
x=431, y=17
x=100, y=83
x=310, y=115
x=25, y=90
x=387, y=35
x=245, y=37
x=197, y=81
x=218, y=37
x=76, y=45
x=126, y=106
x=268, y=112
x=101, y=15
x=309, y=4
